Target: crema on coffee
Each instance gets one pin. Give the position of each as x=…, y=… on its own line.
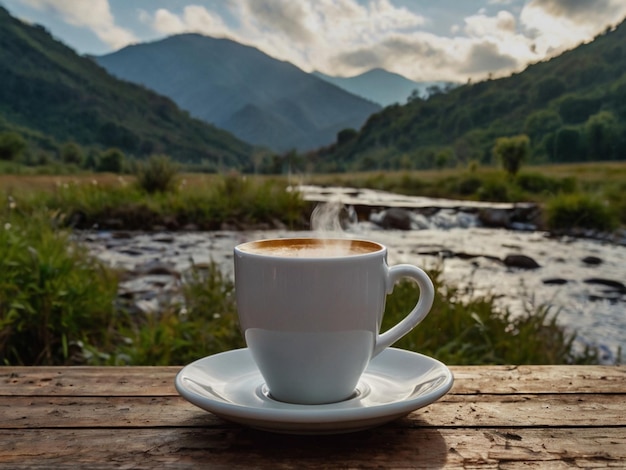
x=310, y=247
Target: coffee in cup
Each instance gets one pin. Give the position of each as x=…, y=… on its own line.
x=311, y=309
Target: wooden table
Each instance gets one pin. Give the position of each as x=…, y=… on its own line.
x=494, y=417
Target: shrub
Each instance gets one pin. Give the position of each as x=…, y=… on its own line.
x=468, y=184
x=111, y=160
x=579, y=211
x=494, y=190
x=54, y=298
x=537, y=183
x=615, y=195
x=72, y=153
x=157, y=174
x=511, y=152
x=12, y=145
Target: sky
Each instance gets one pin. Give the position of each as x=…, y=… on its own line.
x=424, y=40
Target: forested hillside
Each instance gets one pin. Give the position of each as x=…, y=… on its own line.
x=50, y=96
x=573, y=108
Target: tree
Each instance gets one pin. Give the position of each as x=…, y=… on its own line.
x=542, y=122
x=346, y=135
x=443, y=158
x=12, y=145
x=548, y=89
x=511, y=152
x=601, y=133
x=111, y=160
x=72, y=153
x=576, y=110
x=568, y=145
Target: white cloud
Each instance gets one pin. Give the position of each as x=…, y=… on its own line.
x=295, y=20
x=557, y=25
x=501, y=26
x=347, y=37
x=308, y=33
x=93, y=14
x=194, y=19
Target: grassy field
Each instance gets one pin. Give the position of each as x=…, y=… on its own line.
x=588, y=196
x=440, y=183
x=588, y=176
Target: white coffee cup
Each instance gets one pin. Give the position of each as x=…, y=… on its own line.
x=311, y=310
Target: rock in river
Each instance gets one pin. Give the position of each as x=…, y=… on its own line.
x=521, y=262
x=395, y=218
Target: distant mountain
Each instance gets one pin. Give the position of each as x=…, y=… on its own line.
x=383, y=87
x=51, y=95
x=572, y=108
x=259, y=99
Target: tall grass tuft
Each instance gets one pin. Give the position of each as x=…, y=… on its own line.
x=54, y=298
x=157, y=174
x=580, y=211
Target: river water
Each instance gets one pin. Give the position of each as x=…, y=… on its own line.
x=581, y=279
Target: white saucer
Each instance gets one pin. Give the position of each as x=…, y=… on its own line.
x=395, y=383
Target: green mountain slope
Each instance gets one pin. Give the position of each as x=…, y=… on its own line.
x=572, y=107
x=51, y=95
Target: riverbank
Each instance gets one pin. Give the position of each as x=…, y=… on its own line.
x=581, y=279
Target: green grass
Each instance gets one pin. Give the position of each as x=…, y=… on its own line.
x=206, y=203
x=54, y=298
x=566, y=212
x=475, y=331
x=206, y=323
x=58, y=306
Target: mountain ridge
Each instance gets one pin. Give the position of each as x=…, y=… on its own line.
x=383, y=87
x=52, y=95
x=215, y=79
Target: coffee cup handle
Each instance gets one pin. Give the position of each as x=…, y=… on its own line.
x=419, y=312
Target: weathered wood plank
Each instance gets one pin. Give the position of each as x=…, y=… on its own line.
x=450, y=411
x=539, y=379
x=88, y=381
x=395, y=447
x=159, y=381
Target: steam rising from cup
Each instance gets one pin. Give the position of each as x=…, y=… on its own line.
x=329, y=220
x=326, y=218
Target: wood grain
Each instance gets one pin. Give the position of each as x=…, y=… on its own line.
x=148, y=381
x=386, y=447
x=494, y=417
x=451, y=411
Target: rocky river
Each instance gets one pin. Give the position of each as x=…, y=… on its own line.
x=483, y=248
